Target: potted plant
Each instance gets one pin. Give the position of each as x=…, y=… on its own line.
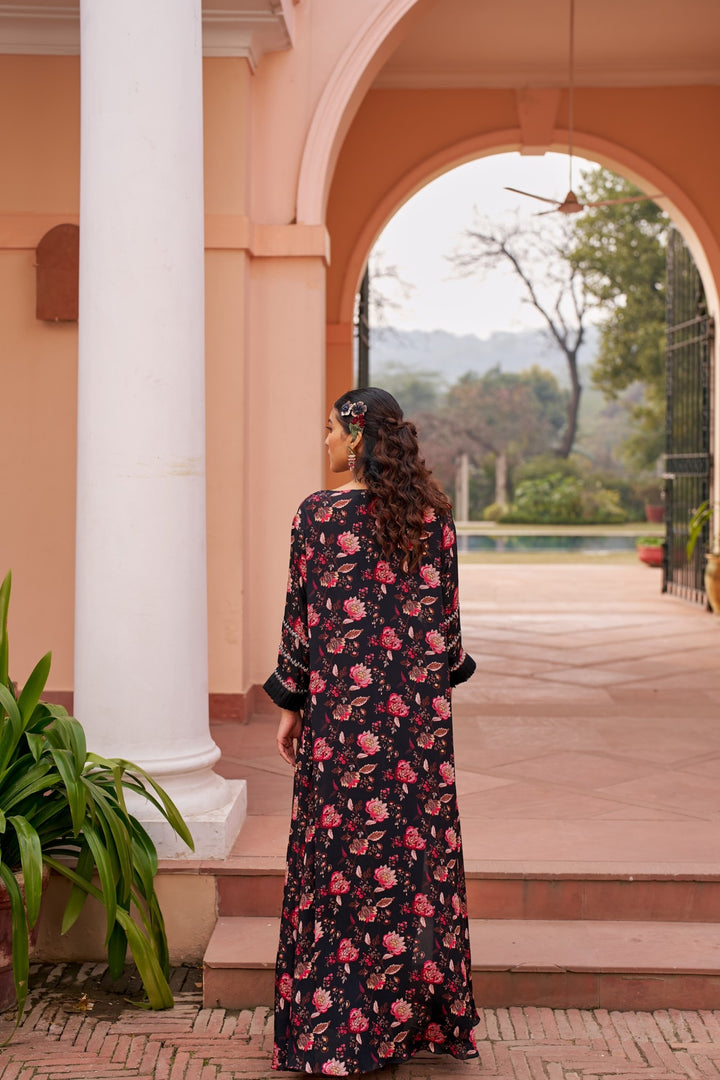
x=64, y=808
x=703, y=517
x=650, y=549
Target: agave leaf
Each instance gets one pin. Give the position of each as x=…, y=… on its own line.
x=117, y=951
x=76, y=796
x=105, y=873
x=38, y=778
x=32, y=864
x=67, y=733
x=10, y=705
x=76, y=901
x=169, y=809
x=20, y=947
x=34, y=687
x=117, y=837
x=4, y=605
x=36, y=743
x=148, y=965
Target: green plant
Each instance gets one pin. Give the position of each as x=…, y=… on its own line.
x=649, y=541
x=64, y=808
x=702, y=516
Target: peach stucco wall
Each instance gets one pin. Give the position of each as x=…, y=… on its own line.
x=301, y=129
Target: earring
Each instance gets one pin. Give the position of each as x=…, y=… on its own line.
x=352, y=458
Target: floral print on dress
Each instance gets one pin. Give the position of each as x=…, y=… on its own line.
x=373, y=962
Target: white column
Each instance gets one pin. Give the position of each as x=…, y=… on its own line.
x=141, y=686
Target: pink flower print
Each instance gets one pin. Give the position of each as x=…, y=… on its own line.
x=299, y=629
x=329, y=817
x=431, y=973
x=433, y=807
x=394, y=943
x=348, y=542
x=296, y=521
x=384, y=574
x=367, y=913
x=312, y=616
x=422, y=906
x=448, y=537
x=317, y=683
x=405, y=773
x=386, y=1049
x=354, y=608
x=302, y=970
x=425, y=740
x=357, y=1021
x=376, y=981
x=377, y=809
x=441, y=705
x=429, y=515
x=457, y=905
x=339, y=883
x=368, y=743
x=458, y=1007
x=336, y=645
x=430, y=576
x=346, y=951
x=333, y=1067
x=285, y=985
x=435, y=640
x=389, y=639
x=440, y=872
x=361, y=675
x=447, y=772
x=418, y=674
x=305, y=1042
x=433, y=1033
x=385, y=877
x=401, y=1010
x=302, y=567
x=322, y=1000
x=412, y=607
x=323, y=513
x=413, y=839
x=350, y=779
x=396, y=706
x=341, y=712
x=329, y=579
x=452, y=840
x=321, y=750
x=358, y=846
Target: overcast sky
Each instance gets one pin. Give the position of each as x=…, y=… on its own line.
x=428, y=226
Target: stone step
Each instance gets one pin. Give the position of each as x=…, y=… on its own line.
x=670, y=897
x=571, y=963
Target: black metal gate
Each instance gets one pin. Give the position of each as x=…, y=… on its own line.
x=688, y=462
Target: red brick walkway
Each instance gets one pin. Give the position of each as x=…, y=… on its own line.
x=76, y=1028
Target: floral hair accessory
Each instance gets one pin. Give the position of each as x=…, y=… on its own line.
x=354, y=413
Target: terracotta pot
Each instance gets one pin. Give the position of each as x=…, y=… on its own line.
x=7, y=984
x=655, y=512
x=712, y=581
x=652, y=555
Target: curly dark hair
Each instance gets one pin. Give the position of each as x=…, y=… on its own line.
x=401, y=486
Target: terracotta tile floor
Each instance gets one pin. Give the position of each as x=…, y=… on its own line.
x=589, y=736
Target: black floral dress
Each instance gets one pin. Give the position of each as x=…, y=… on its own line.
x=374, y=958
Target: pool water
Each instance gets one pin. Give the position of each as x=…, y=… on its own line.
x=528, y=542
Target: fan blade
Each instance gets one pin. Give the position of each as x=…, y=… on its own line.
x=619, y=202
x=530, y=195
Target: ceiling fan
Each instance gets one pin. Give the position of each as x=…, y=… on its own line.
x=571, y=204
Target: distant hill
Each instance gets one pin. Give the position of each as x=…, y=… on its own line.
x=451, y=355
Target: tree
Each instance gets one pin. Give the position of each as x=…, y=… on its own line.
x=620, y=252
x=554, y=285
x=503, y=415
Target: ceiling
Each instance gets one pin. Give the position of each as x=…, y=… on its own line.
x=523, y=43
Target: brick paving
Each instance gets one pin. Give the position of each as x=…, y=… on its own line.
x=81, y=1025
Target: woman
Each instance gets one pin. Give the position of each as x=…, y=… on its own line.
x=374, y=960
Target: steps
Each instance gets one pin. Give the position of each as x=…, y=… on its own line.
x=599, y=940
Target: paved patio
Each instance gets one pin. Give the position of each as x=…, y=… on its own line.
x=588, y=742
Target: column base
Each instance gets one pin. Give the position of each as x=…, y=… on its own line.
x=213, y=830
